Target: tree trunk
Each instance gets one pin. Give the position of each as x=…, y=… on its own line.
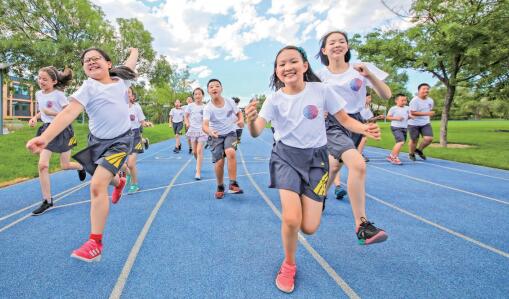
x=449, y=97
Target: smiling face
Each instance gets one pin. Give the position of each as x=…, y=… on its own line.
x=198, y=95
x=401, y=101
x=177, y=103
x=423, y=91
x=132, y=97
x=46, y=83
x=290, y=67
x=214, y=89
x=95, y=65
x=336, y=47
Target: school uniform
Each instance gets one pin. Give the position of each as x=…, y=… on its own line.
x=56, y=101
x=110, y=139
x=399, y=127
x=420, y=125
x=222, y=120
x=177, y=119
x=136, y=116
x=352, y=87
x=195, y=131
x=299, y=159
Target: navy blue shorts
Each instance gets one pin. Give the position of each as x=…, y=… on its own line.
x=63, y=142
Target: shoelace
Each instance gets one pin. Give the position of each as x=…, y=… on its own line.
x=286, y=272
x=368, y=225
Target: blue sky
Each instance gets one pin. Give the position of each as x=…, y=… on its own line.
x=236, y=40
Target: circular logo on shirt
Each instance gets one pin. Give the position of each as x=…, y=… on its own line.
x=310, y=112
x=356, y=84
x=132, y=117
x=49, y=104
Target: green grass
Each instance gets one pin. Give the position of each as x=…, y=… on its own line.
x=491, y=148
x=17, y=163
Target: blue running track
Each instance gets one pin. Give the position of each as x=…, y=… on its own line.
x=447, y=224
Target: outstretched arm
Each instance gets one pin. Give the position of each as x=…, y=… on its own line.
x=132, y=59
x=255, y=124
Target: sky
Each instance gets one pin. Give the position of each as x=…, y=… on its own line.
x=236, y=40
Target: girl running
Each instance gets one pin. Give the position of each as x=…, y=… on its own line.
x=104, y=96
x=51, y=100
x=137, y=119
x=220, y=119
x=194, y=121
x=350, y=81
x=299, y=165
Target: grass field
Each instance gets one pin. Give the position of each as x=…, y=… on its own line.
x=490, y=148
x=17, y=164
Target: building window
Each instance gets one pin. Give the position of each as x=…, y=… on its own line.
x=21, y=91
x=21, y=108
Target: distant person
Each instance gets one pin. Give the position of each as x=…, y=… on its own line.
x=368, y=116
x=177, y=122
x=421, y=109
x=398, y=115
x=194, y=121
x=240, y=127
x=189, y=101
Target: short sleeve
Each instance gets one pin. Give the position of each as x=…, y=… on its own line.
x=334, y=102
x=414, y=105
x=206, y=113
x=267, y=111
x=381, y=75
x=84, y=94
x=139, y=112
x=62, y=99
x=391, y=111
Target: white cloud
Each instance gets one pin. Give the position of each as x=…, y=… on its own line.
x=201, y=71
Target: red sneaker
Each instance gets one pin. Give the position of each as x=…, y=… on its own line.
x=117, y=192
x=285, y=280
x=235, y=189
x=88, y=252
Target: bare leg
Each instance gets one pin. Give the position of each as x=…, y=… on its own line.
x=291, y=223
x=100, y=204
x=133, y=168
x=356, y=183
x=232, y=163
x=219, y=169
x=44, y=179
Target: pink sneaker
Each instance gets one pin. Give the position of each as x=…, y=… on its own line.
x=285, y=280
x=396, y=161
x=117, y=192
x=88, y=252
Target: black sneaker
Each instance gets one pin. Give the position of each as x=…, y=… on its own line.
x=82, y=174
x=366, y=159
x=190, y=150
x=180, y=147
x=176, y=150
x=43, y=208
x=234, y=188
x=421, y=154
x=220, y=192
x=147, y=143
x=411, y=157
x=368, y=234
x=323, y=207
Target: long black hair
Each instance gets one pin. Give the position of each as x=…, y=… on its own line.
x=121, y=71
x=63, y=78
x=309, y=76
x=323, y=58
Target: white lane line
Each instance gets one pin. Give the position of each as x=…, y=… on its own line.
x=71, y=204
x=321, y=261
x=39, y=202
x=72, y=189
x=431, y=164
x=441, y=227
x=442, y=186
x=122, y=278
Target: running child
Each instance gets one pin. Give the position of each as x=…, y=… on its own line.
x=299, y=164
x=104, y=96
x=177, y=122
x=240, y=128
x=137, y=119
x=350, y=81
x=194, y=121
x=368, y=116
x=51, y=100
x=220, y=119
x=398, y=115
x=421, y=109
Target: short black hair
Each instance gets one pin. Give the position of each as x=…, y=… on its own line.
x=214, y=80
x=400, y=95
x=423, y=84
x=236, y=100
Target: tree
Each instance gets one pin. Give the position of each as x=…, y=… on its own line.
x=132, y=34
x=458, y=41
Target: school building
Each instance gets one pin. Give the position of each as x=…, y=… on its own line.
x=18, y=101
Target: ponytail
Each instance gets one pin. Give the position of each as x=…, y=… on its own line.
x=63, y=78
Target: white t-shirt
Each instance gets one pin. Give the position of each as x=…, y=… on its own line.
x=299, y=120
x=397, y=111
x=419, y=105
x=195, y=113
x=55, y=100
x=351, y=85
x=136, y=116
x=224, y=119
x=177, y=115
x=106, y=105
x=366, y=113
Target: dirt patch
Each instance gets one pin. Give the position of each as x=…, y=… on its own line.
x=12, y=182
x=454, y=145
